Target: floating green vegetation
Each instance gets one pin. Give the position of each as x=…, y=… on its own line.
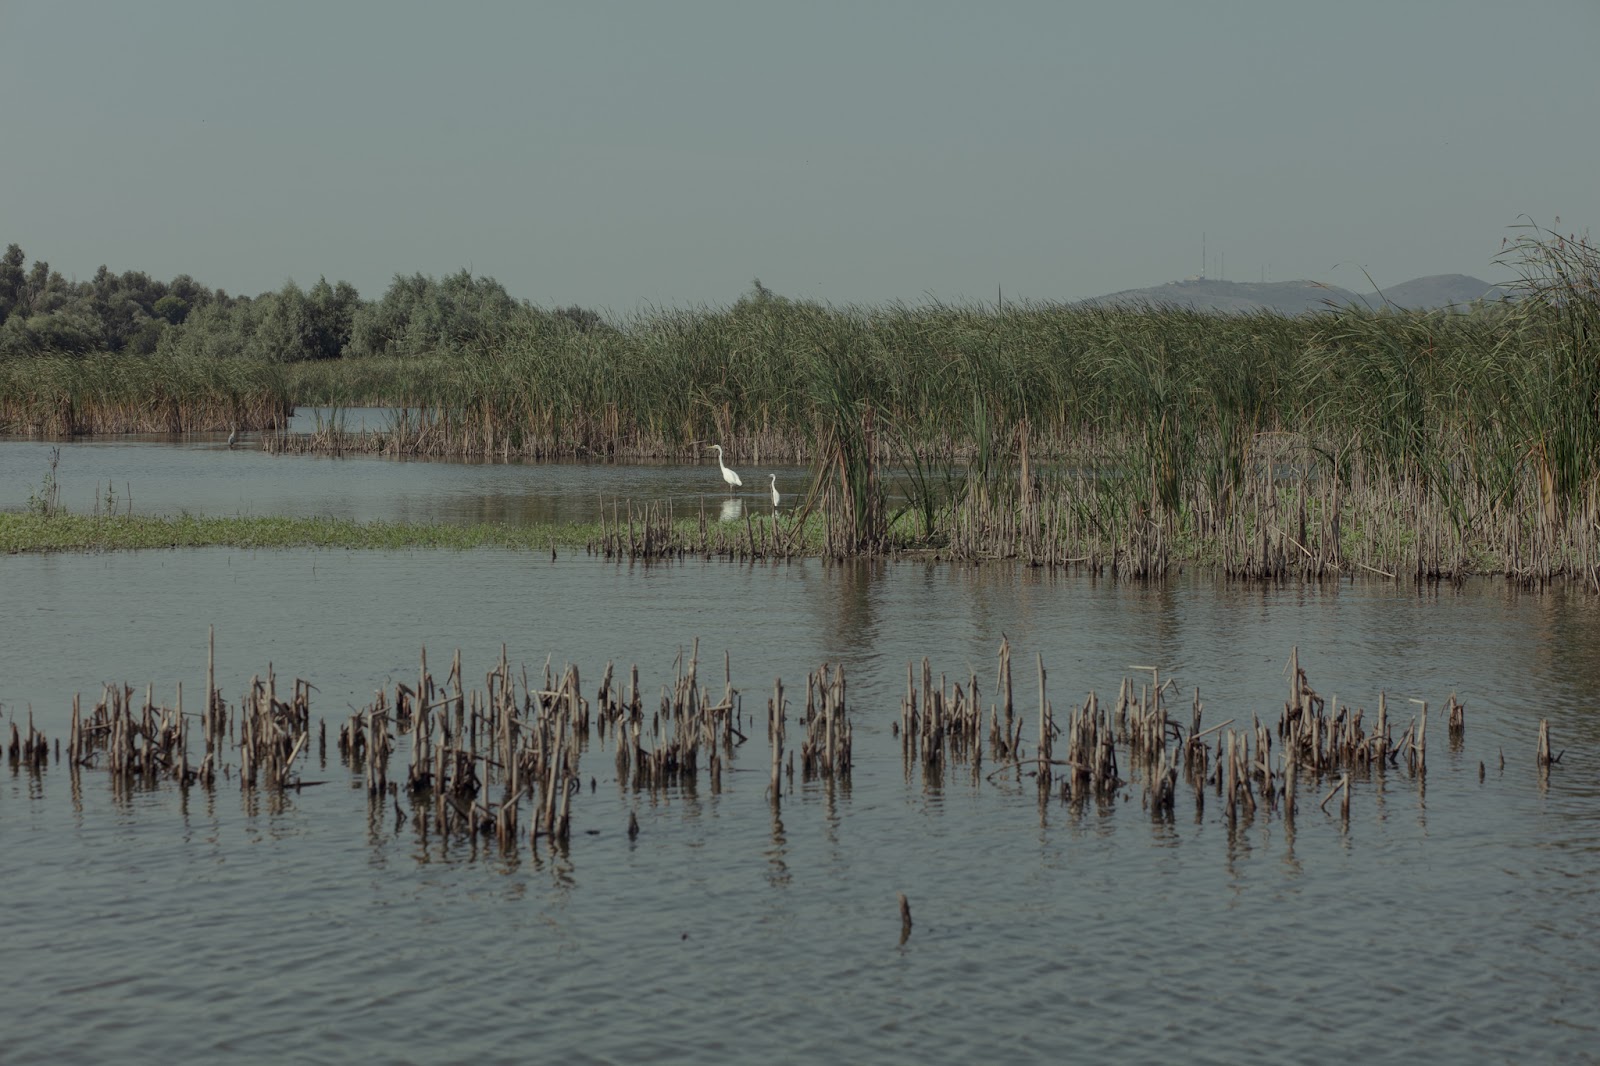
x=67, y=532
x=759, y=536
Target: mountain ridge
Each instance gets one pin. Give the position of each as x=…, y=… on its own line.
x=1431, y=292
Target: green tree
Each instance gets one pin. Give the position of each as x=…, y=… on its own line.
x=174, y=309
x=43, y=291
x=284, y=332
x=332, y=311
x=192, y=292
x=12, y=280
x=419, y=315
x=217, y=330
x=69, y=332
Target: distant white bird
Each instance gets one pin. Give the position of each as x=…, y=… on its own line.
x=728, y=476
x=774, y=490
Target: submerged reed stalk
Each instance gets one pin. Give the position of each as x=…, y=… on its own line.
x=1543, y=757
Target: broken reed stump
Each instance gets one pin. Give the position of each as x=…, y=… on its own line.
x=145, y=742
x=1543, y=758
x=943, y=724
x=1046, y=729
x=272, y=732
x=905, y=918
x=1417, y=742
x=825, y=750
x=775, y=729
x=1456, y=721
x=31, y=749
x=1092, y=751
x=1341, y=789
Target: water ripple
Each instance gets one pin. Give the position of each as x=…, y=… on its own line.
x=1453, y=918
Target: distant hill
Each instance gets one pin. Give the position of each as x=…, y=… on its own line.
x=1439, y=290
x=1300, y=297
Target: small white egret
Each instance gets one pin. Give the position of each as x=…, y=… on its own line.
x=731, y=478
x=774, y=478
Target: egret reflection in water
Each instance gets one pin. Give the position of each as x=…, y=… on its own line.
x=732, y=509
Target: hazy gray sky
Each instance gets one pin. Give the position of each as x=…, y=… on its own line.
x=623, y=153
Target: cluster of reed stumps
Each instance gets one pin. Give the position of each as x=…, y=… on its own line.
x=1318, y=742
x=148, y=742
x=476, y=755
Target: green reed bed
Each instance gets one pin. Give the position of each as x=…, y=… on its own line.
x=1289, y=521
x=940, y=381
x=61, y=396
x=1180, y=393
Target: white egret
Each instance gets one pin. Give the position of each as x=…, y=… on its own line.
x=731, y=478
x=774, y=491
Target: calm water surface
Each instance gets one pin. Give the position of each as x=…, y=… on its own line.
x=201, y=475
x=1454, y=919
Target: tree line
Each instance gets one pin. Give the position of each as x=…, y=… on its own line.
x=43, y=313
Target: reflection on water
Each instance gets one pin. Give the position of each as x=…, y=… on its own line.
x=843, y=607
x=732, y=509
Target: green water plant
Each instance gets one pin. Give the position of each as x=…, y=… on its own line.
x=45, y=501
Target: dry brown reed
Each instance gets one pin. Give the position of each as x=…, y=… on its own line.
x=1544, y=758
x=502, y=760
x=147, y=743
x=1456, y=721
x=825, y=748
x=272, y=732
x=944, y=725
x=30, y=749
x=1139, y=739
